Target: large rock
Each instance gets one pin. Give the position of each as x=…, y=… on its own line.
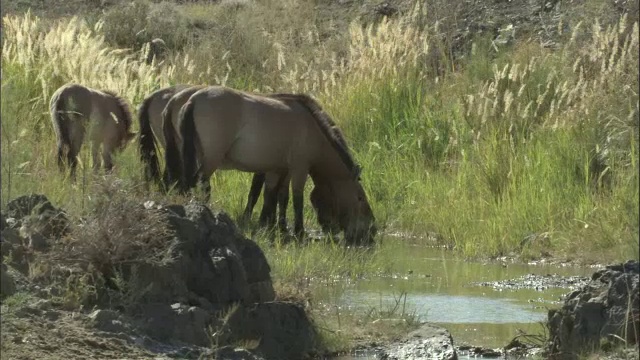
x=177, y=322
x=214, y=263
x=606, y=308
x=428, y=342
x=281, y=330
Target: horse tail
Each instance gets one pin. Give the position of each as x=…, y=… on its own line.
x=147, y=143
x=189, y=136
x=173, y=166
x=60, y=121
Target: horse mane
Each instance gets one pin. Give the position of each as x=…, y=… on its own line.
x=124, y=107
x=327, y=125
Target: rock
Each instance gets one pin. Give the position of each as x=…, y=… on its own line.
x=385, y=9
x=427, y=342
x=13, y=251
x=213, y=263
x=213, y=270
x=38, y=221
x=106, y=320
x=233, y=353
x=11, y=236
x=25, y=205
x=157, y=50
x=608, y=306
x=281, y=330
x=7, y=284
x=168, y=323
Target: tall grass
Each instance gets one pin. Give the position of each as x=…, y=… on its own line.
x=484, y=151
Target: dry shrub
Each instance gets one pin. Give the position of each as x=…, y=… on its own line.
x=120, y=231
x=102, y=254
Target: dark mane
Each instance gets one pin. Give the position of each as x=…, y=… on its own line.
x=327, y=125
x=124, y=108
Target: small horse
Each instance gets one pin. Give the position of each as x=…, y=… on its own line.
x=288, y=134
x=75, y=107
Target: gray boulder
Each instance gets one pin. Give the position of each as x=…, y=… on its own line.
x=428, y=342
x=214, y=265
x=177, y=322
x=7, y=284
x=281, y=330
x=605, y=309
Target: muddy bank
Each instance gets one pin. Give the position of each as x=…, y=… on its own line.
x=133, y=279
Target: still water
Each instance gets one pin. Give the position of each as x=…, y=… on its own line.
x=440, y=289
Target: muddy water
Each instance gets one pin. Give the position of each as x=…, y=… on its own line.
x=440, y=289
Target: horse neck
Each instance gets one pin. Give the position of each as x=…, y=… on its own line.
x=329, y=166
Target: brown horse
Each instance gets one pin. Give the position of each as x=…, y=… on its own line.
x=287, y=134
x=74, y=108
x=272, y=184
x=150, y=121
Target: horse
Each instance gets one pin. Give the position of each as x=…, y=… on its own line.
x=150, y=121
x=288, y=134
x=272, y=183
x=73, y=107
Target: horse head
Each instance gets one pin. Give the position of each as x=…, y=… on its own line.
x=343, y=205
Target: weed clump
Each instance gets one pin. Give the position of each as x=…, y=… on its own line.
x=98, y=260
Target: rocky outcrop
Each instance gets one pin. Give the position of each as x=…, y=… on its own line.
x=606, y=309
x=428, y=342
x=215, y=291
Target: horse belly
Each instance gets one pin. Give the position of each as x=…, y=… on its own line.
x=253, y=154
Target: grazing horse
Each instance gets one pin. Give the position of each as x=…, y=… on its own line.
x=173, y=142
x=74, y=108
x=288, y=134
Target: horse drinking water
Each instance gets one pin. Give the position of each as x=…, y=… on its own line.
x=288, y=134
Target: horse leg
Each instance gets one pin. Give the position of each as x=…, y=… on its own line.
x=95, y=155
x=60, y=156
x=254, y=194
x=297, y=187
x=283, y=201
x=271, y=186
x=107, y=159
x=72, y=160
